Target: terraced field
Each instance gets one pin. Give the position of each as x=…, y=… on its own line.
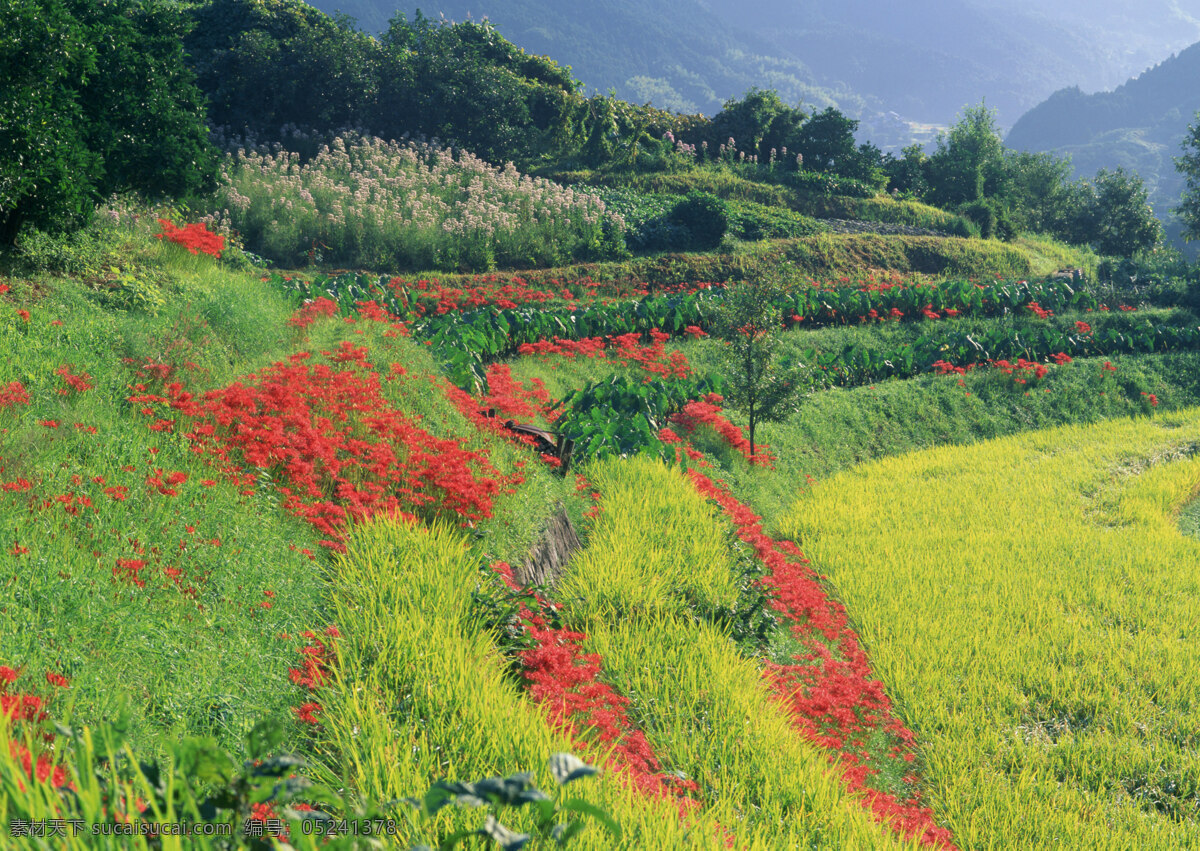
x=1032, y=602
x=265, y=534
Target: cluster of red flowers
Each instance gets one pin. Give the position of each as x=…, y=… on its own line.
x=1039, y=311
x=831, y=694
x=194, y=237
x=627, y=348
x=707, y=411
x=313, y=310
x=566, y=681
x=589, y=347
x=341, y=448
x=943, y=367
x=424, y=297
x=13, y=393
x=1023, y=370
x=23, y=708
x=316, y=662
x=79, y=383
x=372, y=311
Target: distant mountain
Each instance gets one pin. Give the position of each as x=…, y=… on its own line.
x=892, y=65
x=676, y=54
x=1139, y=125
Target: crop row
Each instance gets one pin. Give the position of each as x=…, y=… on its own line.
x=466, y=340
x=1031, y=606
x=656, y=563
x=858, y=364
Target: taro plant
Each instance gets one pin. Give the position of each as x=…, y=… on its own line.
x=623, y=415
x=554, y=820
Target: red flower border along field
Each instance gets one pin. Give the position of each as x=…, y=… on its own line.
x=274, y=537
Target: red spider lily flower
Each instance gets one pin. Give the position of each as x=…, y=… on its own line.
x=307, y=712
x=1082, y=327
x=24, y=314
x=13, y=394
x=48, y=423
x=79, y=383
x=194, y=237
x=56, y=679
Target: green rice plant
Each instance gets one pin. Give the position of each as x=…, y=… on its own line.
x=421, y=694
x=656, y=558
x=1030, y=603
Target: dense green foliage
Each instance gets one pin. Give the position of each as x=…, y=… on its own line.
x=96, y=99
x=1138, y=125
x=1005, y=192
x=1189, y=166
x=704, y=216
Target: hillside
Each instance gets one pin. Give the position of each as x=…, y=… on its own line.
x=679, y=56
x=543, y=470
x=922, y=61
x=1139, y=125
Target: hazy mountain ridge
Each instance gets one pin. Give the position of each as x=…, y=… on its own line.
x=925, y=59
x=680, y=56
x=1140, y=125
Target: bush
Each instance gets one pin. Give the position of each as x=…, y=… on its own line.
x=991, y=218
x=705, y=216
x=648, y=225
x=751, y=221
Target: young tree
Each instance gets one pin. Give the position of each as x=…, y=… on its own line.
x=969, y=162
x=1188, y=165
x=1112, y=214
x=749, y=320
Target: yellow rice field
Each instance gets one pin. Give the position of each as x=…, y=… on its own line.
x=1035, y=611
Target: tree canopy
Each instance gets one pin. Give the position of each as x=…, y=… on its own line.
x=96, y=99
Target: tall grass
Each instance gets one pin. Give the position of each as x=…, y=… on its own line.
x=365, y=202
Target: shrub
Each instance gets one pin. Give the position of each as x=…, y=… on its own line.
x=751, y=221
x=705, y=216
x=991, y=218
x=647, y=216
